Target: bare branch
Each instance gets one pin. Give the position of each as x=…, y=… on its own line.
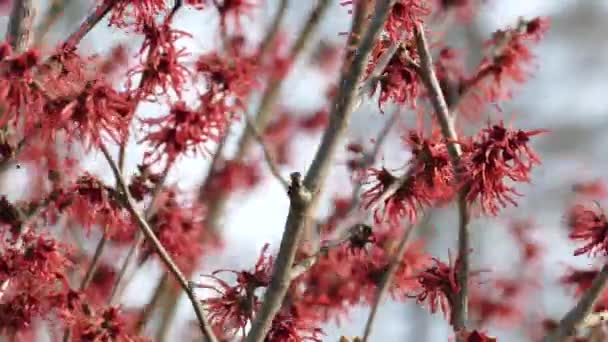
x=160, y=250
x=87, y=25
x=429, y=78
x=304, y=196
x=119, y=283
x=272, y=165
x=386, y=279
x=578, y=314
x=19, y=31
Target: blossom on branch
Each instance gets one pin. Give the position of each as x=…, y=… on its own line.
x=498, y=154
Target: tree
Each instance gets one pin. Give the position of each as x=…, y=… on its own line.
x=62, y=105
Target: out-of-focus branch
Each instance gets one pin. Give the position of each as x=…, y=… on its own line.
x=272, y=165
x=160, y=250
x=385, y=280
x=579, y=313
x=55, y=11
x=264, y=111
x=367, y=161
x=304, y=195
x=19, y=31
x=446, y=122
x=120, y=283
x=87, y=25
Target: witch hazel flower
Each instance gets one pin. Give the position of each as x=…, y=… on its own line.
x=161, y=68
x=398, y=82
x=429, y=177
x=179, y=227
x=498, y=154
x=439, y=287
x=90, y=202
x=591, y=227
x=135, y=13
x=185, y=131
x=508, y=60
x=232, y=307
x=20, y=99
x=404, y=17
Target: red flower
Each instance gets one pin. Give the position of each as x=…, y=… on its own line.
x=233, y=176
x=184, y=130
x=32, y=269
x=90, y=202
x=430, y=177
x=107, y=325
x=96, y=110
x=404, y=17
x=161, y=67
x=398, y=82
x=233, y=9
x=439, y=287
x=20, y=99
x=180, y=229
x=498, y=154
x=506, y=64
x=288, y=326
x=405, y=202
x=581, y=280
x=135, y=13
x=229, y=81
x=234, y=306
x=590, y=226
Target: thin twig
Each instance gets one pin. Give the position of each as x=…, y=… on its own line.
x=270, y=161
x=568, y=324
x=19, y=31
x=446, y=122
x=87, y=25
x=385, y=281
x=119, y=284
x=307, y=263
x=304, y=195
x=367, y=161
x=160, y=250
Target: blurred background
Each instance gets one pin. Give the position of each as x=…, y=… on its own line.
x=565, y=95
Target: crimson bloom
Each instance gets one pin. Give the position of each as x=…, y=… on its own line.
x=135, y=13
x=497, y=155
x=439, y=287
x=506, y=63
x=398, y=82
x=180, y=229
x=161, y=66
x=233, y=306
x=20, y=99
x=430, y=177
x=185, y=130
x=89, y=202
x=591, y=227
x=404, y=17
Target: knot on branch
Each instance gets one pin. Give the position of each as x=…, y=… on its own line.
x=297, y=192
